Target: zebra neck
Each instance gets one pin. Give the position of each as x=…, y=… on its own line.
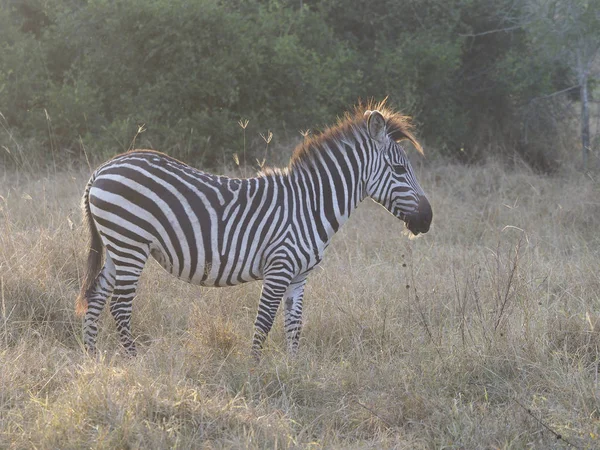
x=330, y=187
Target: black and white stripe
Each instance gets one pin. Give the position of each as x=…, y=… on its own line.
x=219, y=231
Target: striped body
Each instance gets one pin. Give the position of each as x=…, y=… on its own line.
x=218, y=231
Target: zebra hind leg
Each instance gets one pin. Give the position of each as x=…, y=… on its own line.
x=96, y=299
x=121, y=303
x=293, y=314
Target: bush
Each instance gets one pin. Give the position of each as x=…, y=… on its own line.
x=187, y=71
x=94, y=72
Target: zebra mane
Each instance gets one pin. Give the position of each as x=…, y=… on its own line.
x=350, y=125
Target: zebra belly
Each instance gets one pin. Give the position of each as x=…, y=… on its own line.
x=207, y=274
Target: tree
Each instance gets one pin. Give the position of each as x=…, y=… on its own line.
x=569, y=30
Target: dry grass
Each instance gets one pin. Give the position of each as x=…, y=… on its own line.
x=482, y=334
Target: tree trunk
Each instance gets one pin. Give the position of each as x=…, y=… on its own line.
x=585, y=121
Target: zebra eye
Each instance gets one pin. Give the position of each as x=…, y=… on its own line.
x=399, y=169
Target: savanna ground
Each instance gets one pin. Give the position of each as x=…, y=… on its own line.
x=483, y=333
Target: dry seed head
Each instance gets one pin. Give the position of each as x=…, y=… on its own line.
x=269, y=136
x=305, y=133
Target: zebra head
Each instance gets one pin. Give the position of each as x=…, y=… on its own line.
x=392, y=181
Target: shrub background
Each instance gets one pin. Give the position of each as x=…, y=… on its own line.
x=80, y=73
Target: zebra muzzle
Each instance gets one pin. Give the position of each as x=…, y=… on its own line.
x=420, y=220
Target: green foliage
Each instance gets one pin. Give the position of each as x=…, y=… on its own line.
x=187, y=71
x=23, y=79
x=92, y=72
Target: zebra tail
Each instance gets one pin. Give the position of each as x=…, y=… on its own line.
x=95, y=260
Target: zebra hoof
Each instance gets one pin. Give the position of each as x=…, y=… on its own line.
x=131, y=352
x=256, y=355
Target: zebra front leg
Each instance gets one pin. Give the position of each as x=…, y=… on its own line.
x=293, y=314
x=270, y=298
x=96, y=299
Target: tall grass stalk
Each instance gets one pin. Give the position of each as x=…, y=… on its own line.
x=243, y=123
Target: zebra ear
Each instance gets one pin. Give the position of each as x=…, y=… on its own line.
x=367, y=114
x=376, y=126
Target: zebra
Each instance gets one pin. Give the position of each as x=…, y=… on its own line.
x=218, y=231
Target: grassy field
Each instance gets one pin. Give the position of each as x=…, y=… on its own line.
x=483, y=333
